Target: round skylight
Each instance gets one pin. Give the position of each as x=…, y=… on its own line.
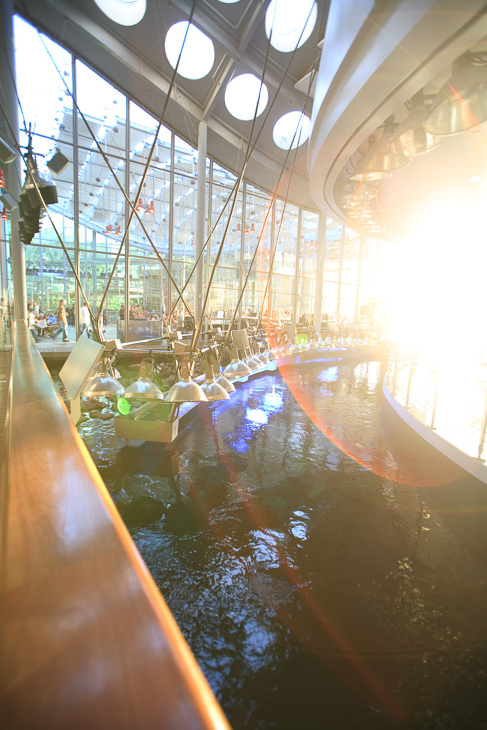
x=198, y=53
x=292, y=23
x=291, y=130
x=241, y=96
x=123, y=12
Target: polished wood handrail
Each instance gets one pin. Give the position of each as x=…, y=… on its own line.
x=86, y=639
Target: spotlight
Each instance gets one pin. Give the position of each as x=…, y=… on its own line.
x=411, y=138
x=58, y=163
x=7, y=153
x=462, y=102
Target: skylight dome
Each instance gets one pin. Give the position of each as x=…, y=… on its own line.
x=123, y=12
x=241, y=96
x=291, y=130
x=292, y=23
x=198, y=53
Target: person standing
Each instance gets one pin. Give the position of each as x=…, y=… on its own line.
x=84, y=318
x=32, y=324
x=62, y=321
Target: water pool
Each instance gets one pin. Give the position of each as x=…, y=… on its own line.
x=326, y=567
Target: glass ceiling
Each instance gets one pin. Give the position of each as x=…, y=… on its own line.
x=123, y=12
x=291, y=23
x=291, y=130
x=241, y=96
x=198, y=53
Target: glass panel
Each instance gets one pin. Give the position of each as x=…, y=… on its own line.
x=333, y=251
x=285, y=259
x=351, y=256
x=309, y=239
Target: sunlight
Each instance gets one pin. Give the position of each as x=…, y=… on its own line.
x=433, y=281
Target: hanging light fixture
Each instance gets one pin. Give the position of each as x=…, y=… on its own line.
x=186, y=390
x=5, y=214
x=143, y=387
x=236, y=368
x=2, y=180
x=462, y=102
x=212, y=389
x=102, y=385
x=359, y=171
x=140, y=206
x=386, y=154
x=413, y=137
x=109, y=229
x=221, y=379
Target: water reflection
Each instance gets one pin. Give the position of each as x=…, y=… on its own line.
x=314, y=591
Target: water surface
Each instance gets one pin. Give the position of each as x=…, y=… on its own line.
x=327, y=569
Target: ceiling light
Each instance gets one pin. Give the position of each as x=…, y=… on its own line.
x=411, y=134
x=462, y=102
x=241, y=96
x=291, y=130
x=123, y=12
x=386, y=154
x=198, y=53
x=291, y=23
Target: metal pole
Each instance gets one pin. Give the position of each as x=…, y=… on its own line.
x=359, y=276
x=171, y=223
x=297, y=271
x=271, y=261
x=483, y=429
x=126, y=222
x=242, y=255
x=75, y=199
x=10, y=106
x=319, y=273
x=340, y=273
x=200, y=218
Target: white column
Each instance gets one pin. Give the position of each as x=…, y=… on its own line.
x=200, y=218
x=9, y=104
x=319, y=273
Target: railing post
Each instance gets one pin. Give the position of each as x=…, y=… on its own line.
x=483, y=429
x=412, y=369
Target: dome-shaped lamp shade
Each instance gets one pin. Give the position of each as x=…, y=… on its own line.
x=186, y=391
x=236, y=369
x=145, y=389
x=412, y=136
x=462, y=102
x=102, y=386
x=361, y=175
x=253, y=363
x=225, y=383
x=214, y=391
x=392, y=158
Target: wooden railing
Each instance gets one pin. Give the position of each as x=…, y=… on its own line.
x=86, y=639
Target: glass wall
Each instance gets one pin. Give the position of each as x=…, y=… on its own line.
x=118, y=156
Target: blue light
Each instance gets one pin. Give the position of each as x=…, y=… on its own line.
x=256, y=415
x=273, y=401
